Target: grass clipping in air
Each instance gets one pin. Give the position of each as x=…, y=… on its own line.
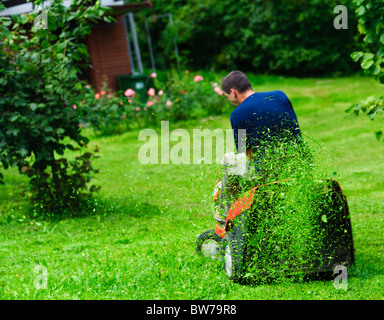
x=296, y=225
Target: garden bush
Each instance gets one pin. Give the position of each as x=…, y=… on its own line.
x=40, y=102
x=176, y=98
x=371, y=25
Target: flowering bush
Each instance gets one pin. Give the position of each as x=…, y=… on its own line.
x=192, y=97
x=41, y=102
x=178, y=98
x=106, y=111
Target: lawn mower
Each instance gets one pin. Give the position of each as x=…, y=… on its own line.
x=233, y=238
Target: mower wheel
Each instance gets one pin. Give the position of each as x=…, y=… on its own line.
x=231, y=265
x=209, y=244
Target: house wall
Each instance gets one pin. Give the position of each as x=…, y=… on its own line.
x=109, y=55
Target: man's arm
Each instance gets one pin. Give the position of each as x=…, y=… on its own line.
x=235, y=128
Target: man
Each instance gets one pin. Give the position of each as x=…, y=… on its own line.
x=263, y=116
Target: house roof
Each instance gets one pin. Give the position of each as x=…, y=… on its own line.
x=118, y=6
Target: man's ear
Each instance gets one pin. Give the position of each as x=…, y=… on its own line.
x=234, y=92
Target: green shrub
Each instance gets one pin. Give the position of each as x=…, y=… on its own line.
x=191, y=96
x=371, y=25
x=173, y=99
x=40, y=101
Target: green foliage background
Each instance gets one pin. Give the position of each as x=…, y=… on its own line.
x=295, y=37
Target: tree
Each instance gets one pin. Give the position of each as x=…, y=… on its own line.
x=39, y=91
x=295, y=37
x=370, y=16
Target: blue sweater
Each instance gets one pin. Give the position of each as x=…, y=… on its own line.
x=264, y=115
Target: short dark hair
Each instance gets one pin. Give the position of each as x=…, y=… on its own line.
x=236, y=80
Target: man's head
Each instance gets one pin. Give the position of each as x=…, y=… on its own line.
x=236, y=87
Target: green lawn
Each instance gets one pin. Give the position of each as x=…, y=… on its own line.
x=139, y=243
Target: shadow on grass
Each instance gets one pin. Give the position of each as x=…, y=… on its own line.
x=21, y=211
x=288, y=279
